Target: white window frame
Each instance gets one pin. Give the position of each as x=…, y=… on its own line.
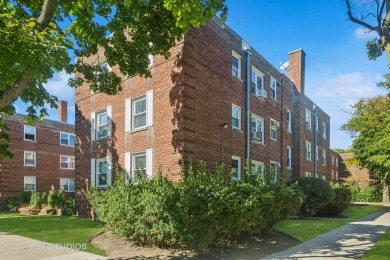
x=97, y=173
x=308, y=151
x=98, y=126
x=337, y=175
x=68, y=139
x=35, y=159
x=323, y=157
x=307, y=174
x=69, y=161
x=239, y=117
x=67, y=180
x=317, y=124
x=255, y=168
x=324, y=130
x=144, y=113
x=239, y=59
x=274, y=178
x=289, y=123
x=317, y=153
x=308, y=116
x=276, y=123
x=289, y=158
x=337, y=162
x=332, y=160
x=35, y=133
x=254, y=133
x=238, y=178
x=134, y=166
x=34, y=182
x=273, y=86
x=259, y=90
x=332, y=174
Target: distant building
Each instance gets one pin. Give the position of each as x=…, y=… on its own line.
x=43, y=155
x=215, y=99
x=353, y=173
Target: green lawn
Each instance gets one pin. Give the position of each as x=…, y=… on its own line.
x=381, y=249
x=52, y=229
x=305, y=229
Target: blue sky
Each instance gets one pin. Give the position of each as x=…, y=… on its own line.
x=338, y=72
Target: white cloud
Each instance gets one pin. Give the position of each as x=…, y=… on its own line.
x=353, y=86
x=336, y=94
x=364, y=33
x=58, y=86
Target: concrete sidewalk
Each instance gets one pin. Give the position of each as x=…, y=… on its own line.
x=17, y=247
x=351, y=241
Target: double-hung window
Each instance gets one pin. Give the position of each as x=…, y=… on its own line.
x=29, y=158
x=323, y=156
x=30, y=183
x=288, y=116
x=236, y=117
x=139, y=166
x=272, y=91
x=236, y=168
x=257, y=79
x=139, y=113
x=102, y=173
x=308, y=151
x=67, y=184
x=289, y=157
x=29, y=133
x=257, y=168
x=308, y=115
x=67, y=162
x=337, y=162
x=273, y=171
x=67, y=139
x=324, y=130
x=273, y=129
x=236, y=65
x=102, y=124
x=257, y=129
x=307, y=174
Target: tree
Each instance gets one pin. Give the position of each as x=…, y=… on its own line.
x=374, y=16
x=40, y=37
x=370, y=128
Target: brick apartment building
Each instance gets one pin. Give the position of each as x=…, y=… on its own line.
x=353, y=173
x=215, y=99
x=336, y=166
x=43, y=155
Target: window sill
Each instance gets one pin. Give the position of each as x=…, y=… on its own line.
x=102, y=138
x=289, y=168
x=259, y=97
x=28, y=140
x=255, y=141
x=237, y=130
x=138, y=130
x=240, y=79
x=289, y=131
x=31, y=166
x=275, y=140
x=67, y=169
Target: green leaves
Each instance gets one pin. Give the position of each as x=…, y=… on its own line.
x=375, y=49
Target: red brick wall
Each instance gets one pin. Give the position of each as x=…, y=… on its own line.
x=48, y=150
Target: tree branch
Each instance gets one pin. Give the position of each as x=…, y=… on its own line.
x=9, y=95
x=355, y=20
x=48, y=9
x=380, y=14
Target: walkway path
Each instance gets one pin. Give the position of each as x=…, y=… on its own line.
x=17, y=247
x=351, y=241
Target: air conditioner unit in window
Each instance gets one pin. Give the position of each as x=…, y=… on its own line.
x=277, y=124
x=307, y=124
x=253, y=134
x=264, y=93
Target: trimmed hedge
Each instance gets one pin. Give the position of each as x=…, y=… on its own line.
x=317, y=193
x=340, y=202
x=201, y=210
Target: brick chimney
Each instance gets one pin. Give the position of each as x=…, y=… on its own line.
x=63, y=111
x=296, y=70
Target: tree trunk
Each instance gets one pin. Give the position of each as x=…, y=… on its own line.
x=386, y=198
x=11, y=94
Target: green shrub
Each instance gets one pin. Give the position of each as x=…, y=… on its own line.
x=366, y=194
x=25, y=197
x=317, y=193
x=12, y=203
x=201, y=210
x=37, y=199
x=340, y=202
x=56, y=199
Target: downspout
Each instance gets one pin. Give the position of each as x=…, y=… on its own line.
x=248, y=54
x=315, y=142
x=281, y=122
